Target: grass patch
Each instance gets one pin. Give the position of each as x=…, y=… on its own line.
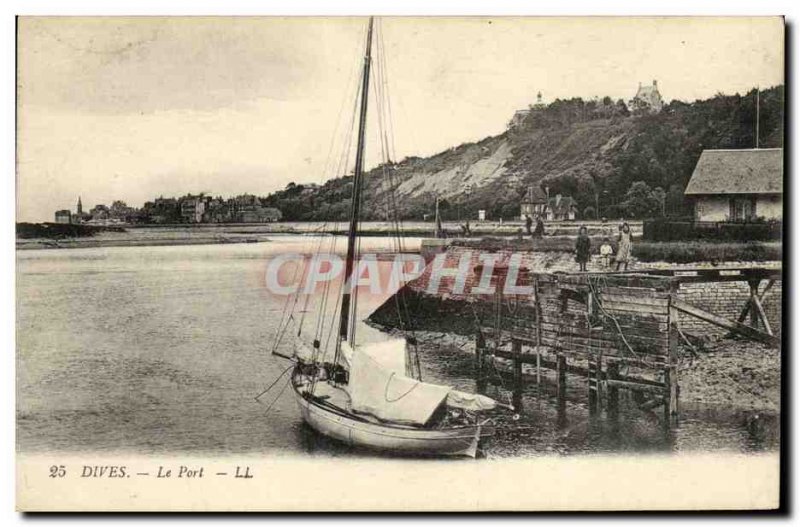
x=698, y=251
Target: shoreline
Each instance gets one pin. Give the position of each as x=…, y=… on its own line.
x=87, y=243
x=218, y=233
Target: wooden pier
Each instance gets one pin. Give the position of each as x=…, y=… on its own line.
x=618, y=331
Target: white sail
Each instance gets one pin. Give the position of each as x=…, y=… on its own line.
x=390, y=396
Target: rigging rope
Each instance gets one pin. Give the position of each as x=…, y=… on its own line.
x=268, y=388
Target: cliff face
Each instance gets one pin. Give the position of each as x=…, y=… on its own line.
x=494, y=173
x=592, y=150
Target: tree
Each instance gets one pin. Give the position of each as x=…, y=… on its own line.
x=640, y=201
x=661, y=197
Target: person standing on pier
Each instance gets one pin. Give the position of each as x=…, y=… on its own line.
x=624, y=246
x=605, y=252
x=528, y=223
x=582, y=247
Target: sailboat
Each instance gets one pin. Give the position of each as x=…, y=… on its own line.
x=369, y=395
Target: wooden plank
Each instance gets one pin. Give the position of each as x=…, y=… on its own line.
x=732, y=325
x=609, y=332
x=574, y=295
x=709, y=279
x=635, y=323
x=762, y=315
x=595, y=347
x=769, y=285
x=632, y=291
x=650, y=313
x=743, y=273
x=561, y=379
x=658, y=313
x=634, y=280
x=646, y=300
x=611, y=342
x=636, y=386
x=608, y=340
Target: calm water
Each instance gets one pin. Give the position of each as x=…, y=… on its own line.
x=163, y=349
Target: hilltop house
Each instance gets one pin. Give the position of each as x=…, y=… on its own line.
x=560, y=208
x=737, y=185
x=534, y=203
x=647, y=99
x=520, y=115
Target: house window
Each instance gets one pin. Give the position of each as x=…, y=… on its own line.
x=742, y=209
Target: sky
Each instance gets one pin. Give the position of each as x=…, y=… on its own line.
x=134, y=108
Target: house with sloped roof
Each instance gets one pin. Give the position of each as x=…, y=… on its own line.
x=737, y=185
x=533, y=204
x=560, y=208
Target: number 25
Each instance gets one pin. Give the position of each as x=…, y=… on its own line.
x=58, y=471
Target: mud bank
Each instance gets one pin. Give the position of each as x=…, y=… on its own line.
x=735, y=373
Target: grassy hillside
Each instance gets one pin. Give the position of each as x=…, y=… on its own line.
x=592, y=150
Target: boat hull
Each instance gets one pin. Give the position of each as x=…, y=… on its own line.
x=457, y=441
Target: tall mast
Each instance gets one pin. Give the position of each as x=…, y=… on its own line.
x=344, y=323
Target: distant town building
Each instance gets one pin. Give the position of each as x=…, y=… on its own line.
x=249, y=209
x=647, y=99
x=737, y=185
x=482, y=215
x=80, y=216
x=534, y=203
x=99, y=212
x=193, y=208
x=560, y=208
x=63, y=216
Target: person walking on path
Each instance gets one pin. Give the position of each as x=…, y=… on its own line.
x=538, y=232
x=624, y=246
x=528, y=223
x=582, y=247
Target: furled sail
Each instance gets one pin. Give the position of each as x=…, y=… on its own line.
x=389, y=395
x=379, y=386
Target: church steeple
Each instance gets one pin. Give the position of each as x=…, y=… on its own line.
x=80, y=206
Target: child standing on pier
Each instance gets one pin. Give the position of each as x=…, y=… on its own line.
x=606, y=251
x=582, y=247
